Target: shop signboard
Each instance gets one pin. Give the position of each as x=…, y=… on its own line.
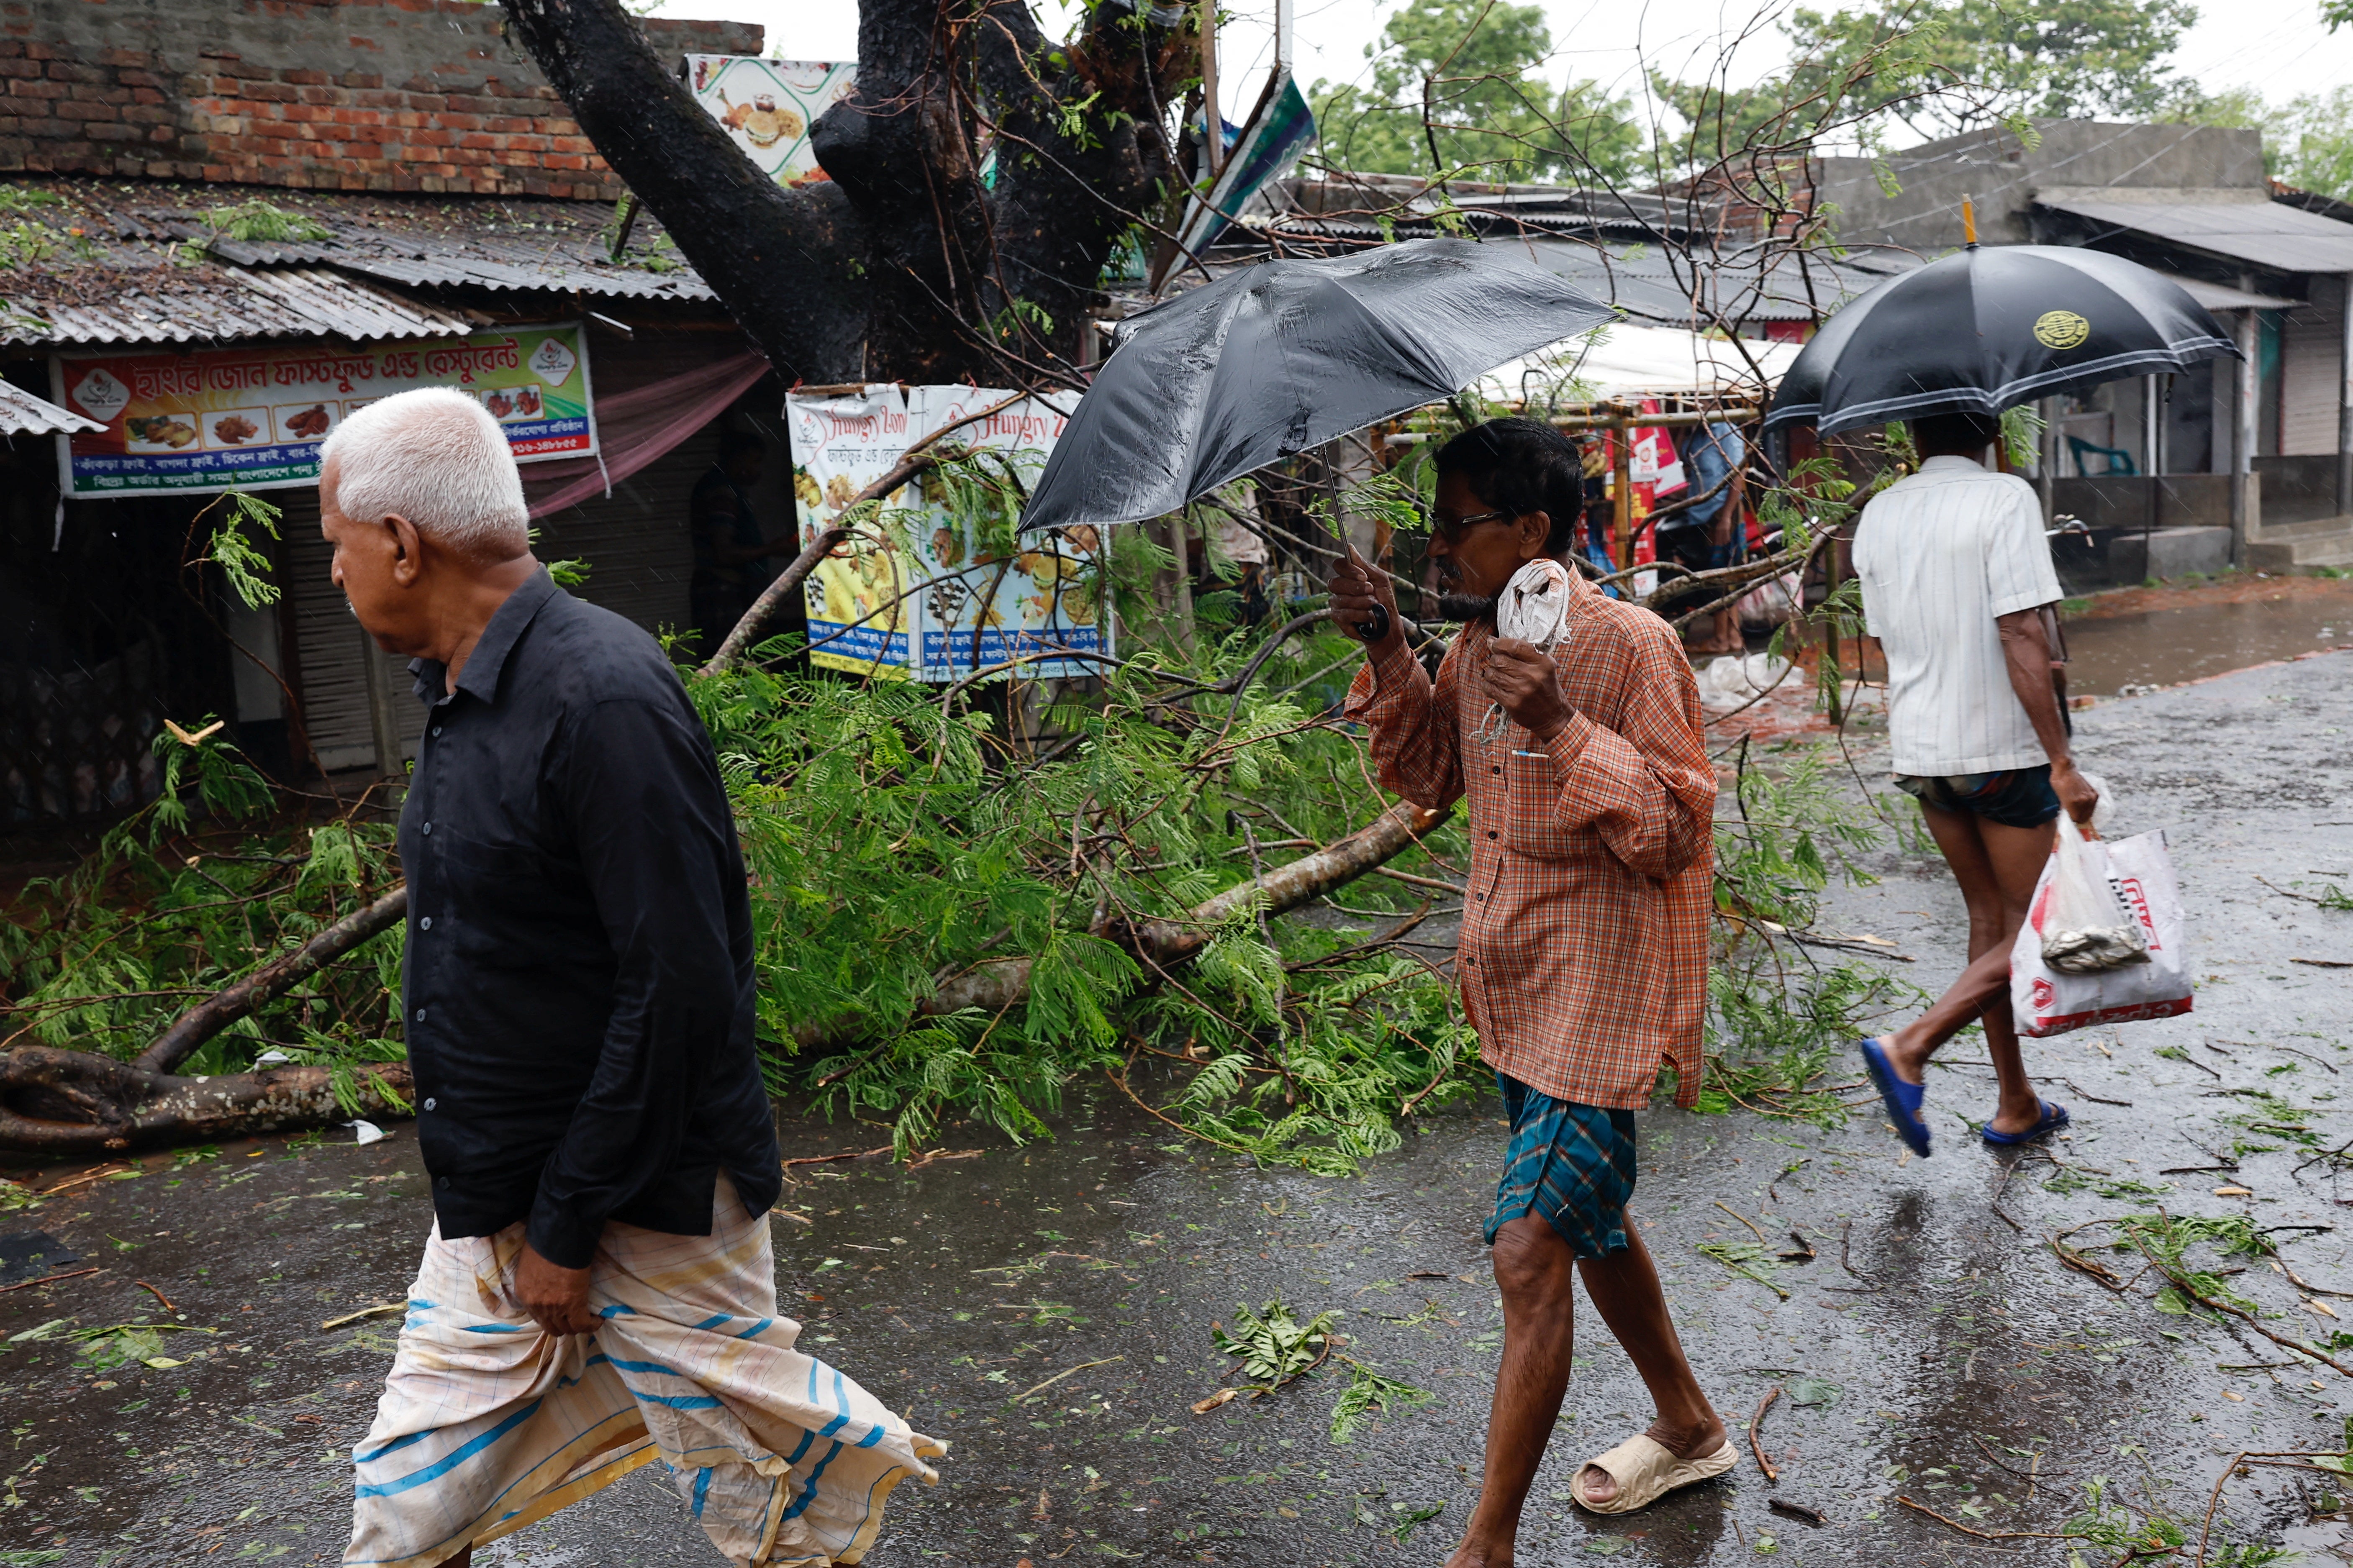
x=934, y=592
x=769, y=106
x=252, y=419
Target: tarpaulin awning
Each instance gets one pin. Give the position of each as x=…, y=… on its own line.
x=1626, y=360
x=636, y=426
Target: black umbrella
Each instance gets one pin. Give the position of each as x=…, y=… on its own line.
x=1984, y=330
x=1275, y=358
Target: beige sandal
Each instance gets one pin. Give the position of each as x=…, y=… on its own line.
x=1646, y=1470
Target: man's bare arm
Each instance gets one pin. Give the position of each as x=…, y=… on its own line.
x=2026, y=652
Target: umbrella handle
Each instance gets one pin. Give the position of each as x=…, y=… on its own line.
x=1376, y=628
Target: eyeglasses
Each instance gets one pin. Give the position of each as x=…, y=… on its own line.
x=1452, y=533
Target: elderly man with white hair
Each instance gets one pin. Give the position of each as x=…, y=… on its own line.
x=599, y=1289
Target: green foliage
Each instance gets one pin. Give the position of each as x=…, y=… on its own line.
x=1369, y=1391
x=259, y=222
x=1273, y=1345
x=182, y=898
x=1939, y=65
x=1457, y=91
x=243, y=563
x=1778, y=1016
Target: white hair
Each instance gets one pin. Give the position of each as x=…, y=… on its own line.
x=437, y=457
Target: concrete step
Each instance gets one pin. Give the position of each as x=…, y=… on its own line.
x=2272, y=554
x=2284, y=532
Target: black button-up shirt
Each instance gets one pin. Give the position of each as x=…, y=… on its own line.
x=578, y=984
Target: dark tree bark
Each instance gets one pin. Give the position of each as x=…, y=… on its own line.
x=913, y=262
x=72, y=1102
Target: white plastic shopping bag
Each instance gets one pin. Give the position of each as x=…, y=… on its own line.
x=2086, y=929
x=2049, y=1000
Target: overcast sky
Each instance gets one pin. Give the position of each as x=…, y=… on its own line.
x=2277, y=46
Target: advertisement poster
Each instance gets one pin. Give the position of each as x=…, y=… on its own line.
x=768, y=106
x=251, y=419
x=930, y=600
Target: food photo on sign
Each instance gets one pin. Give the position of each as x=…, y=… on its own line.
x=252, y=418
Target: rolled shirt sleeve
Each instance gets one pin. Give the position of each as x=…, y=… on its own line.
x=656, y=847
x=1413, y=722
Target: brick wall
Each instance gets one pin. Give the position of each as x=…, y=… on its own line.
x=376, y=95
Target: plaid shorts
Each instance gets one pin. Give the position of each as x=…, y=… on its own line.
x=1572, y=1163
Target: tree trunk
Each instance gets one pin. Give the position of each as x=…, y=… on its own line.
x=978, y=178
x=782, y=261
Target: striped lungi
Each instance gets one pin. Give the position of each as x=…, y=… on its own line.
x=488, y=1424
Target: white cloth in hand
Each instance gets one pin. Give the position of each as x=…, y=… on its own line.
x=1535, y=605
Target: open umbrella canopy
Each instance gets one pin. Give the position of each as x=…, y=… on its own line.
x=1272, y=359
x=1985, y=330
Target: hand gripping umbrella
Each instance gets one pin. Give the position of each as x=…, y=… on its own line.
x=1982, y=331
x=1275, y=358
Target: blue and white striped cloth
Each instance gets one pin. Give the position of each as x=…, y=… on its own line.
x=488, y=1424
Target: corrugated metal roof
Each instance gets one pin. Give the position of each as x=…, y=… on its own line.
x=1661, y=283
x=2219, y=296
x=22, y=414
x=574, y=260
x=157, y=262
x=2256, y=229
x=234, y=303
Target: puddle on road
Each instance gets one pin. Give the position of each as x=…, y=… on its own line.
x=2166, y=648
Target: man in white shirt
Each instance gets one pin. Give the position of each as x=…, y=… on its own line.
x=1957, y=576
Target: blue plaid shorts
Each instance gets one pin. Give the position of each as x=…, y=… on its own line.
x=1572, y=1163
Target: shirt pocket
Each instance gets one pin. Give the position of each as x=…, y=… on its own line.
x=1531, y=808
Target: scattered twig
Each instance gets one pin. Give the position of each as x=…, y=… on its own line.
x=2325, y=963
x=47, y=1279
x=832, y=1158
x=1772, y=1475
x=1057, y=1377
x=1805, y=1253
x=1985, y=1534
x=2025, y=1475
x=1752, y=1230
x=348, y=1318
x=2206, y=1529
x=1796, y=1511
x=89, y=1175
x=157, y=1294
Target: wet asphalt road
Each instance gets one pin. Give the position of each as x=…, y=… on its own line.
x=1946, y=1356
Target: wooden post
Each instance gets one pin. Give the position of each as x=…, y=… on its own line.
x=1621, y=487
x=382, y=718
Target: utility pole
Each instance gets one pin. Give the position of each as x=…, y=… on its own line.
x=1213, y=124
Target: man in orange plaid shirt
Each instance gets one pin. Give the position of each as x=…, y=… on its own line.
x=1583, y=950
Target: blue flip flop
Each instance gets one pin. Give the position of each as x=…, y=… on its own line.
x=2054, y=1117
x=1902, y=1100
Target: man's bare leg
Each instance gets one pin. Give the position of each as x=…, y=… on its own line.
x=1538, y=1281
x=1625, y=1291
x=1997, y=867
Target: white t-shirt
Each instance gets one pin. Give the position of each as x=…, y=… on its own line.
x=1941, y=553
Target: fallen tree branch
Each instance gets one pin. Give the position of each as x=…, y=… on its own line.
x=200, y=1022
x=73, y=1103
x=1003, y=983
